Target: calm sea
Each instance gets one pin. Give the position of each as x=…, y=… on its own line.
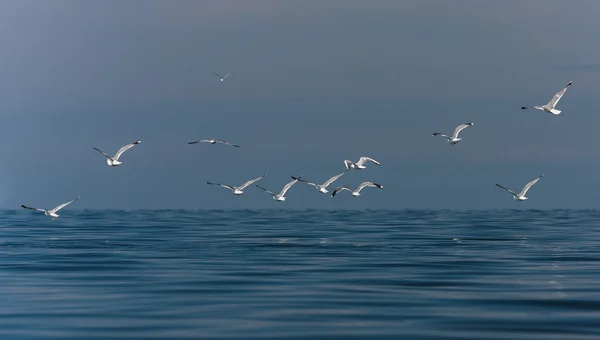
x=276, y=274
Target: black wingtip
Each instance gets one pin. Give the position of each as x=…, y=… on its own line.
x=523, y=107
x=23, y=206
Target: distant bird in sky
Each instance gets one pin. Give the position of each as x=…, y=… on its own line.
x=53, y=212
x=454, y=138
x=280, y=197
x=223, y=77
x=239, y=189
x=321, y=187
x=356, y=192
x=550, y=107
x=521, y=196
x=213, y=141
x=114, y=161
x=360, y=164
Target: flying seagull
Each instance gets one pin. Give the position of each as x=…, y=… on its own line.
x=213, y=141
x=521, y=196
x=550, y=107
x=280, y=196
x=360, y=164
x=52, y=213
x=237, y=190
x=223, y=77
x=454, y=138
x=356, y=192
x=321, y=187
x=114, y=161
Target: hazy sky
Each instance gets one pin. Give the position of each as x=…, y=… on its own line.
x=313, y=83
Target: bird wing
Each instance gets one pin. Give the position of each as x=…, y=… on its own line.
x=512, y=192
x=288, y=186
x=63, y=205
x=332, y=179
x=227, y=75
x=338, y=189
x=441, y=134
x=270, y=192
x=552, y=103
x=363, y=160
x=32, y=208
x=241, y=187
x=460, y=128
x=104, y=153
x=218, y=75
x=347, y=164
x=368, y=184
x=226, y=142
x=125, y=148
x=221, y=184
x=529, y=185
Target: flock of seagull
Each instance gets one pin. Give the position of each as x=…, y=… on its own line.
x=453, y=139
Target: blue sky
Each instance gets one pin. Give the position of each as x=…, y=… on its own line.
x=313, y=83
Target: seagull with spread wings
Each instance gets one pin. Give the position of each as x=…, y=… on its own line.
x=52, y=212
x=360, y=164
x=239, y=189
x=356, y=192
x=521, y=196
x=321, y=187
x=213, y=141
x=280, y=197
x=454, y=138
x=223, y=77
x=550, y=107
x=114, y=161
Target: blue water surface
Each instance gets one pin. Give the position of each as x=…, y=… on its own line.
x=279, y=274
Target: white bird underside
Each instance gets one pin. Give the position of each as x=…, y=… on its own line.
x=356, y=192
x=239, y=189
x=521, y=196
x=551, y=106
x=52, y=212
x=454, y=138
x=114, y=161
x=360, y=164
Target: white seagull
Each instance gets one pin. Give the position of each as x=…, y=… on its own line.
x=550, y=107
x=53, y=212
x=223, y=77
x=360, y=164
x=237, y=190
x=356, y=192
x=114, y=161
x=280, y=196
x=521, y=196
x=213, y=141
x=321, y=187
x=454, y=138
